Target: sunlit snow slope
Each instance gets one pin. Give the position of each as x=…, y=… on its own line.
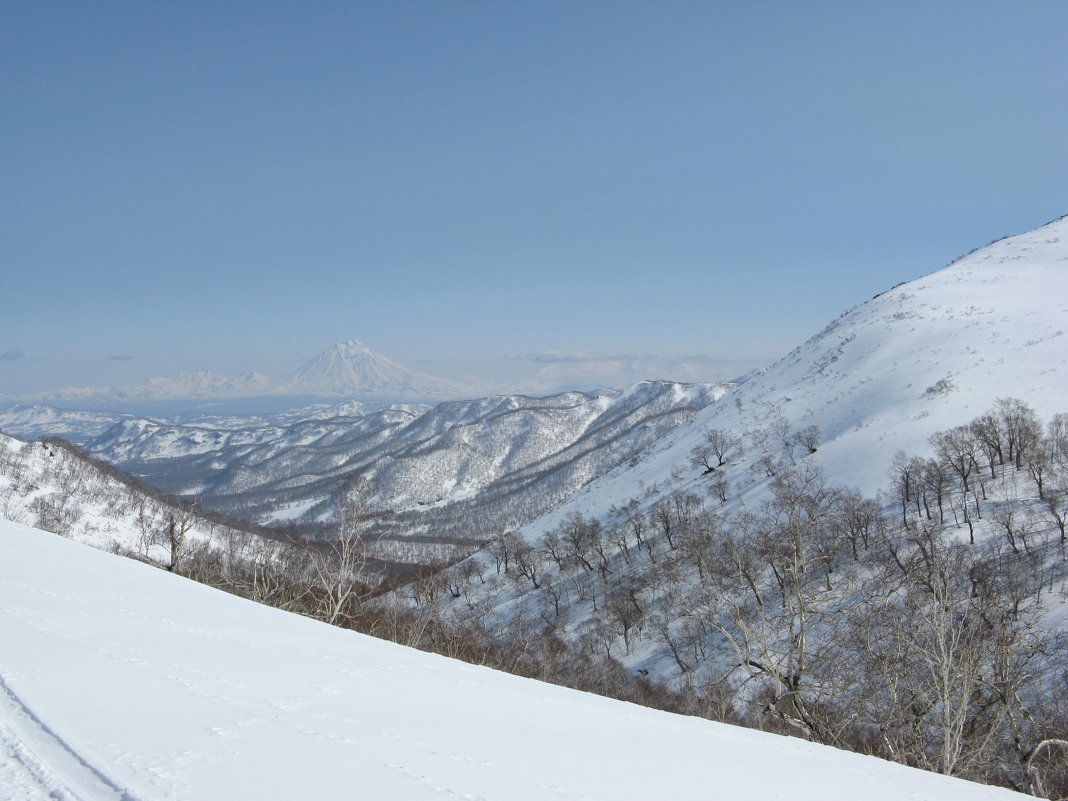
x=922, y=357
x=120, y=681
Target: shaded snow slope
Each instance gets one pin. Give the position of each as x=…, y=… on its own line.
x=121, y=681
x=922, y=357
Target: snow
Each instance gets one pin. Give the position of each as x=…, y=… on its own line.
x=990, y=325
x=443, y=456
x=123, y=681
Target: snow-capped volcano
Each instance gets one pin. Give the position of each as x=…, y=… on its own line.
x=353, y=369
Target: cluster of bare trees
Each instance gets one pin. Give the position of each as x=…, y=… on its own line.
x=954, y=482
x=909, y=626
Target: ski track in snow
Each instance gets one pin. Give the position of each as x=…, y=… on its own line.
x=35, y=763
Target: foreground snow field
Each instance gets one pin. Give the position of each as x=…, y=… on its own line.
x=120, y=681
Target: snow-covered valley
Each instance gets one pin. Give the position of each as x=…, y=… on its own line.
x=499, y=461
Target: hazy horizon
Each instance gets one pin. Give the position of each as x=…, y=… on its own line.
x=503, y=194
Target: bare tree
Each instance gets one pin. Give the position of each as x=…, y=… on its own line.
x=808, y=438
x=527, y=561
x=1020, y=426
x=957, y=449
x=1056, y=502
x=723, y=445
x=340, y=565
x=179, y=522
x=702, y=456
x=905, y=476
x=988, y=432
x=775, y=606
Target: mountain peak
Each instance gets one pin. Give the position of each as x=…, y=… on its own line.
x=352, y=346
x=353, y=369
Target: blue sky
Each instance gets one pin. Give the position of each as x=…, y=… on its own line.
x=228, y=185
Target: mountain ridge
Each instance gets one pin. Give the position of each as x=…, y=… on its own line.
x=887, y=373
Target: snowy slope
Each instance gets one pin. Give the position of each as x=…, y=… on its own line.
x=121, y=681
x=53, y=488
x=922, y=357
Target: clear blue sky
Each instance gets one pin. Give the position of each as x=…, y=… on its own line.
x=227, y=185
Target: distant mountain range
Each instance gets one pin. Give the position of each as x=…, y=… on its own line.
x=444, y=469
x=345, y=370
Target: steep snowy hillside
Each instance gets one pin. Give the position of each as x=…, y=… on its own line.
x=53, y=486
x=766, y=581
x=121, y=681
x=922, y=357
x=438, y=468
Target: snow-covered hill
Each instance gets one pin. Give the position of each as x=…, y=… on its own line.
x=40, y=420
x=924, y=356
x=57, y=487
x=118, y=680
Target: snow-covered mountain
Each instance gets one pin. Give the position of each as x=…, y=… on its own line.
x=761, y=582
x=121, y=681
x=351, y=369
x=922, y=357
x=518, y=453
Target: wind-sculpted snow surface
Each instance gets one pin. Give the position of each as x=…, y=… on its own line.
x=922, y=357
x=515, y=451
x=120, y=681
